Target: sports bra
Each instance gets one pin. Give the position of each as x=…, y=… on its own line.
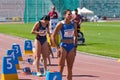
x=42, y=30
x=67, y=31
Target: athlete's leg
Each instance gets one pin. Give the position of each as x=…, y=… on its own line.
x=62, y=57
x=49, y=58
x=33, y=49
x=50, y=51
x=45, y=53
x=70, y=60
x=37, y=54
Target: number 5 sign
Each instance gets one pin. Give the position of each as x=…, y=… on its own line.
x=8, y=68
x=14, y=56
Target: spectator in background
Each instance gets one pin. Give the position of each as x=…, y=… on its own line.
x=53, y=14
x=96, y=18
x=77, y=19
x=53, y=21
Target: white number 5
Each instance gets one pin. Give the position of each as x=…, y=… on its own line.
x=9, y=63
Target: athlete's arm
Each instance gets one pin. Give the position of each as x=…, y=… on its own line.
x=76, y=34
x=34, y=29
x=55, y=31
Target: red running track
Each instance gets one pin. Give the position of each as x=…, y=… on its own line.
x=86, y=67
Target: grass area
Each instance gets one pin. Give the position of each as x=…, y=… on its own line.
x=100, y=38
x=21, y=30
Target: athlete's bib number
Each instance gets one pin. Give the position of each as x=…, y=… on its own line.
x=43, y=32
x=68, y=33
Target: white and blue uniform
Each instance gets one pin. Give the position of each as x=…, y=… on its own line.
x=67, y=32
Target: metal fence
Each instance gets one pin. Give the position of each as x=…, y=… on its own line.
x=11, y=10
x=33, y=10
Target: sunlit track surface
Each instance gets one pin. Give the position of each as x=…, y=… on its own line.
x=86, y=67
